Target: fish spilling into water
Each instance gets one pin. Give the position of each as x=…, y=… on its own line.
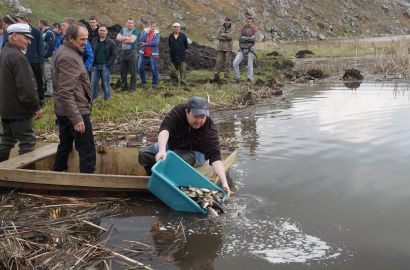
x=208, y=199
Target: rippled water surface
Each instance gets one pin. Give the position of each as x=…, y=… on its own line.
x=322, y=183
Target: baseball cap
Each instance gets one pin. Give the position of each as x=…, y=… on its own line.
x=20, y=28
x=176, y=24
x=227, y=18
x=198, y=106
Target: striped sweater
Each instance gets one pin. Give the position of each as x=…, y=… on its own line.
x=183, y=136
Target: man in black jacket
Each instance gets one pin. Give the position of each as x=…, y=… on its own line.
x=35, y=54
x=104, y=55
x=19, y=101
x=189, y=132
x=178, y=44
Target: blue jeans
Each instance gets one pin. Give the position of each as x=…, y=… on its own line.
x=153, y=61
x=101, y=72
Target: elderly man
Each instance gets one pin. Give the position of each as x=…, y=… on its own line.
x=73, y=100
x=178, y=44
x=18, y=94
x=128, y=39
x=223, y=57
x=190, y=132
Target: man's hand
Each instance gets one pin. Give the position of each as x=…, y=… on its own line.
x=38, y=113
x=161, y=155
x=80, y=127
x=227, y=190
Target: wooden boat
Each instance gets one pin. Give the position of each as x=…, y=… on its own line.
x=117, y=169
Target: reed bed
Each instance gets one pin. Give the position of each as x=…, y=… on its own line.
x=54, y=232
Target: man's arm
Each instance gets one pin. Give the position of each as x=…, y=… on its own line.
x=89, y=56
x=162, y=141
x=220, y=172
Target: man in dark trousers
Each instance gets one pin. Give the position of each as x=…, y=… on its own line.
x=189, y=132
x=178, y=44
x=73, y=100
x=104, y=55
x=35, y=54
x=18, y=94
x=49, y=44
x=223, y=57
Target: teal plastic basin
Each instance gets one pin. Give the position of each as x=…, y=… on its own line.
x=173, y=172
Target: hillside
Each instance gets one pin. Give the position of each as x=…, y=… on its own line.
x=276, y=19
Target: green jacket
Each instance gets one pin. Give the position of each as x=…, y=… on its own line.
x=225, y=38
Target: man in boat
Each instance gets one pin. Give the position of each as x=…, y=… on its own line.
x=19, y=100
x=73, y=100
x=189, y=132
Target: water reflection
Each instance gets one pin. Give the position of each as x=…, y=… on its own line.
x=322, y=183
x=352, y=85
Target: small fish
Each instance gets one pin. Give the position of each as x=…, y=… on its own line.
x=212, y=212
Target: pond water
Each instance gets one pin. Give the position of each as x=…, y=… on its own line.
x=321, y=183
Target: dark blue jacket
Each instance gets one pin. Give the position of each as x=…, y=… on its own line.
x=110, y=50
x=49, y=42
x=35, y=51
x=177, y=47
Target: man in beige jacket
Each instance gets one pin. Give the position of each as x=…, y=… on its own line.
x=73, y=100
x=223, y=57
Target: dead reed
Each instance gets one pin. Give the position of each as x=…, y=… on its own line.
x=50, y=232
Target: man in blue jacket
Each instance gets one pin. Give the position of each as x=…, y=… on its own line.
x=104, y=55
x=49, y=44
x=149, y=52
x=88, y=56
x=35, y=54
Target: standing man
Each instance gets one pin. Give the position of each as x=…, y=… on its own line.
x=149, y=52
x=92, y=28
x=73, y=100
x=128, y=38
x=18, y=94
x=35, y=54
x=223, y=57
x=49, y=39
x=246, y=49
x=190, y=132
x=58, y=34
x=178, y=44
x=105, y=52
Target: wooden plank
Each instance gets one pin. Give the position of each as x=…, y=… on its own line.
x=104, y=181
x=29, y=158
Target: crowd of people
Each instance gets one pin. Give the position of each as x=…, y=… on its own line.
x=68, y=60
